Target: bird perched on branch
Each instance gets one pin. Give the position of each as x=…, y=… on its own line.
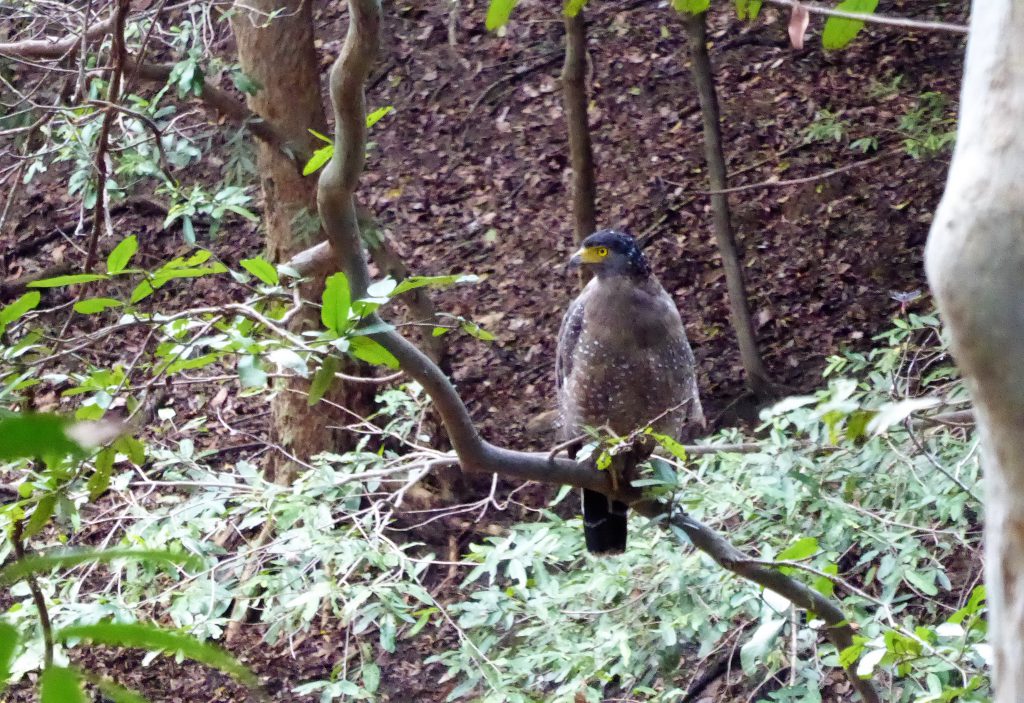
x=623, y=363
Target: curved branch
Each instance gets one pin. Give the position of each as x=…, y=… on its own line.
x=227, y=105
x=732, y=559
x=335, y=196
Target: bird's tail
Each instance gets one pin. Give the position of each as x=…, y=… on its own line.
x=604, y=523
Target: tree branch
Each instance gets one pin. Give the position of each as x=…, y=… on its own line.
x=55, y=49
x=335, y=197
x=730, y=558
x=224, y=103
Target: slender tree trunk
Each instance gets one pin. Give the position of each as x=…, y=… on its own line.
x=277, y=52
x=703, y=78
x=975, y=264
x=574, y=92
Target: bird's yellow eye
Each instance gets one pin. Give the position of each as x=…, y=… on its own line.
x=601, y=251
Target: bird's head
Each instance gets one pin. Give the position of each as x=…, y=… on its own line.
x=611, y=253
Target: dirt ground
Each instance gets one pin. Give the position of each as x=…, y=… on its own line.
x=470, y=174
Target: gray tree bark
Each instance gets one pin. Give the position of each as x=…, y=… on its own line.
x=975, y=264
x=574, y=95
x=732, y=261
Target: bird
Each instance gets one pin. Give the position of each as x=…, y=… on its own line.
x=623, y=362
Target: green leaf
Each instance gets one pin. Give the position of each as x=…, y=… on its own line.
x=498, y=13
x=825, y=586
x=41, y=515
x=337, y=302
x=36, y=435
x=801, y=549
x=166, y=274
x=371, y=352
x=414, y=282
x=378, y=114
x=262, y=270
x=671, y=445
x=8, y=643
x=19, y=307
x=159, y=640
x=320, y=157
x=90, y=306
x=387, y=633
x=60, y=685
x=571, y=8
x=122, y=254
x=323, y=379
x=132, y=448
x=371, y=676
x=922, y=582
x=100, y=479
x=196, y=363
x=748, y=9
x=691, y=7
x=321, y=137
x=44, y=563
x=250, y=373
x=142, y=291
x=754, y=649
x=71, y=279
x=857, y=423
x=475, y=330
x=424, y=617
x=840, y=31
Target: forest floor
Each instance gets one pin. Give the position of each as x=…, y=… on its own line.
x=470, y=174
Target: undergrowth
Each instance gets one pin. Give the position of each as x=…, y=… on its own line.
x=853, y=490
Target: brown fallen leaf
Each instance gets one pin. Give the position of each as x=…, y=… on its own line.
x=799, y=18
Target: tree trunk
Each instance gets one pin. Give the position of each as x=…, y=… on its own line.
x=574, y=93
x=975, y=264
x=703, y=78
x=278, y=54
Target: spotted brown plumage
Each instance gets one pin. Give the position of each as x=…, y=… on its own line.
x=623, y=362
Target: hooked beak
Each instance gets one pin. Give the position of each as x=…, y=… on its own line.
x=585, y=255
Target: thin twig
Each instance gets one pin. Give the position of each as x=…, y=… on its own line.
x=920, y=25
x=800, y=181
x=103, y=141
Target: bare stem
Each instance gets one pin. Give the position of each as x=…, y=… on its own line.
x=17, y=541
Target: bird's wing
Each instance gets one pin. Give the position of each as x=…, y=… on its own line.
x=568, y=336
x=679, y=357
x=694, y=410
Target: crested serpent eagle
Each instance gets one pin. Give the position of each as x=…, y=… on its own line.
x=624, y=363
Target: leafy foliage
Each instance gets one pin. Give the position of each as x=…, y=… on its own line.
x=840, y=31
x=67, y=465
x=691, y=7
x=872, y=511
x=843, y=491
x=748, y=9
x=498, y=13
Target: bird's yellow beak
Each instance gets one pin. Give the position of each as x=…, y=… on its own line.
x=588, y=255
